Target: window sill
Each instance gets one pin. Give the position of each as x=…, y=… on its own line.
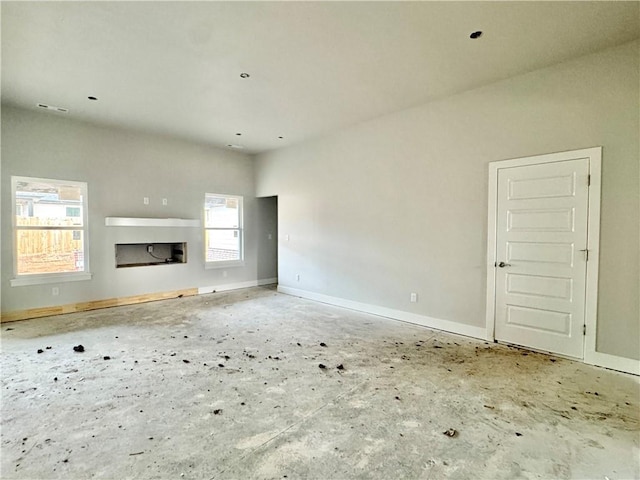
x=229, y=264
x=42, y=279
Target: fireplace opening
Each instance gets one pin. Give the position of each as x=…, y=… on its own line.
x=148, y=254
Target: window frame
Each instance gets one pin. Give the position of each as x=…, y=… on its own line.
x=240, y=229
x=57, y=277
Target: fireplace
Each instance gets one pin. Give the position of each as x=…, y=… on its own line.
x=150, y=254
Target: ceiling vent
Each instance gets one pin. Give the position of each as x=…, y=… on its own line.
x=51, y=107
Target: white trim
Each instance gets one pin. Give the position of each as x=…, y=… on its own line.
x=237, y=286
x=223, y=264
x=429, y=322
x=591, y=355
x=593, y=245
x=150, y=222
x=54, y=278
x=492, y=242
x=622, y=364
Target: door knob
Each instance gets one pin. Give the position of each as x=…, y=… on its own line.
x=502, y=264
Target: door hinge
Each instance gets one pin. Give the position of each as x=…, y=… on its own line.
x=589, y=180
x=584, y=329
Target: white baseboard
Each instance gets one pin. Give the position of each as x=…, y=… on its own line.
x=435, y=323
x=622, y=364
x=598, y=359
x=237, y=286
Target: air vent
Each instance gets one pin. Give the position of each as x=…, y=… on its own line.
x=51, y=107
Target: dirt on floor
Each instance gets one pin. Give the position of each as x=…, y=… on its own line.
x=256, y=384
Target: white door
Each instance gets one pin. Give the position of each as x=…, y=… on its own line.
x=541, y=256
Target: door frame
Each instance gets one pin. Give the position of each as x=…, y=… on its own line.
x=594, y=155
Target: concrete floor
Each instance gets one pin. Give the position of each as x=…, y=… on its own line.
x=228, y=385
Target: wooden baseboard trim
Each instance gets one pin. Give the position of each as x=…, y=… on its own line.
x=93, y=305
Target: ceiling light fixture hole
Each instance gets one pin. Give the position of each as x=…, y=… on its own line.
x=244, y=75
x=92, y=98
x=476, y=34
x=238, y=134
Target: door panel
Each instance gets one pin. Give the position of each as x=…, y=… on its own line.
x=538, y=286
x=525, y=220
x=558, y=186
x=540, y=253
x=541, y=230
x=541, y=320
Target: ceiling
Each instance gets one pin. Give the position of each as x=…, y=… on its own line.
x=315, y=67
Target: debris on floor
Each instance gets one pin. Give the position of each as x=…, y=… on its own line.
x=106, y=357
x=348, y=419
x=322, y=344
x=40, y=350
x=78, y=348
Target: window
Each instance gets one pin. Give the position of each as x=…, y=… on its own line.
x=223, y=230
x=73, y=211
x=50, y=231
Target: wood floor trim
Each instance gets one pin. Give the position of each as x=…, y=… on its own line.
x=93, y=305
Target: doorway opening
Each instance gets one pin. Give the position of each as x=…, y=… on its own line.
x=267, y=248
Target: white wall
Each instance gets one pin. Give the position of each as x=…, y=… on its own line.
x=399, y=204
x=121, y=167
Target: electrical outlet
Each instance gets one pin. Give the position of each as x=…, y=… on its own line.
x=224, y=273
x=150, y=248
x=165, y=202
x=145, y=200
x=414, y=297
x=297, y=277
x=269, y=236
x=55, y=291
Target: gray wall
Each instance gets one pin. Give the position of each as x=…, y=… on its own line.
x=121, y=167
x=399, y=204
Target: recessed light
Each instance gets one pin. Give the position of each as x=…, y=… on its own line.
x=476, y=34
x=92, y=98
x=244, y=75
x=51, y=107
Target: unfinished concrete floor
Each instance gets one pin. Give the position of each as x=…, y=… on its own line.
x=228, y=385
